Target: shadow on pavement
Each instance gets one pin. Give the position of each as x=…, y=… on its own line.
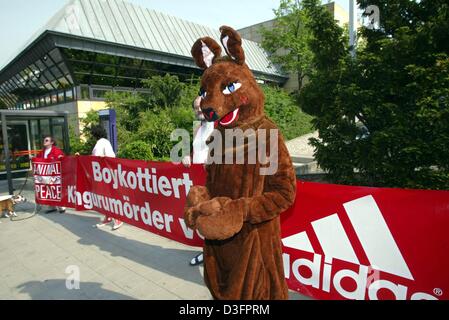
x=56, y=289
x=174, y=262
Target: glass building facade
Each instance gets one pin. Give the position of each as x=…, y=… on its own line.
x=92, y=46
x=46, y=81
x=65, y=74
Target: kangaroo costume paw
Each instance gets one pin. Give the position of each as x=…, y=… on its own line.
x=217, y=221
x=197, y=195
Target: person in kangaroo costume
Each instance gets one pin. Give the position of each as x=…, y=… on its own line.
x=238, y=210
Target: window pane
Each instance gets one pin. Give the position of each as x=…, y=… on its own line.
x=14, y=83
x=35, y=75
x=48, y=76
x=40, y=65
x=63, y=68
x=69, y=95
x=105, y=69
x=58, y=131
x=145, y=74
x=36, y=143
x=127, y=62
x=82, y=66
x=33, y=81
x=64, y=83
x=127, y=83
x=73, y=54
x=149, y=65
x=61, y=96
x=47, y=61
x=70, y=53
x=69, y=77
x=82, y=78
x=99, y=93
x=85, y=93
x=128, y=72
x=56, y=72
x=103, y=80
x=56, y=55
x=45, y=128
x=22, y=78
x=107, y=59
x=48, y=86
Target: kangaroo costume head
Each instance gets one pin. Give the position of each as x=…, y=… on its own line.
x=230, y=94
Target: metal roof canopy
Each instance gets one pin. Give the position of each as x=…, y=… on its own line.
x=119, y=28
x=6, y=115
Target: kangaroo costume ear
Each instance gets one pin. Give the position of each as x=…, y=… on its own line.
x=232, y=42
x=205, y=51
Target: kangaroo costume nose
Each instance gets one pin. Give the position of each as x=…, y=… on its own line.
x=210, y=114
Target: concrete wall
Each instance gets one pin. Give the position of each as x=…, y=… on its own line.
x=77, y=110
x=252, y=32
x=339, y=14
x=85, y=106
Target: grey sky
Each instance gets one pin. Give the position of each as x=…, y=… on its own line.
x=20, y=19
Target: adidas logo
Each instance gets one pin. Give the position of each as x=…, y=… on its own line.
x=377, y=242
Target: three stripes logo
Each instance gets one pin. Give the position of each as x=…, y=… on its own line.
x=377, y=242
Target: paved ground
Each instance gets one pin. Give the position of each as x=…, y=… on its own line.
x=126, y=264
x=300, y=146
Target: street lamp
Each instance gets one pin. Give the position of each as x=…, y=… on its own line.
x=352, y=26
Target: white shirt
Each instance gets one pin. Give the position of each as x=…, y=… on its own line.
x=103, y=148
x=47, y=152
x=200, y=148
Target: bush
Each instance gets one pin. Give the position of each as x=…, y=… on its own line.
x=85, y=143
x=155, y=129
x=285, y=112
x=136, y=150
x=151, y=118
x=165, y=91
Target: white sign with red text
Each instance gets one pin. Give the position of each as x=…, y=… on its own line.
x=48, y=181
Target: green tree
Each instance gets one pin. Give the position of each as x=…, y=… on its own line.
x=128, y=106
x=165, y=91
x=283, y=109
x=155, y=129
x=151, y=117
x=136, y=150
x=383, y=117
x=84, y=143
x=288, y=40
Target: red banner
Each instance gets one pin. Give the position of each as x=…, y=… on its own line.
x=343, y=242
x=340, y=242
x=148, y=195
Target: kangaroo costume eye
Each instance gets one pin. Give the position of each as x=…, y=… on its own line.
x=232, y=87
x=202, y=93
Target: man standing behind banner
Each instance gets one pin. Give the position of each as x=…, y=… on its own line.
x=53, y=153
x=103, y=148
x=200, y=151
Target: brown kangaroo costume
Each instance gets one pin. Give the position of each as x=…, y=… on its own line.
x=238, y=210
